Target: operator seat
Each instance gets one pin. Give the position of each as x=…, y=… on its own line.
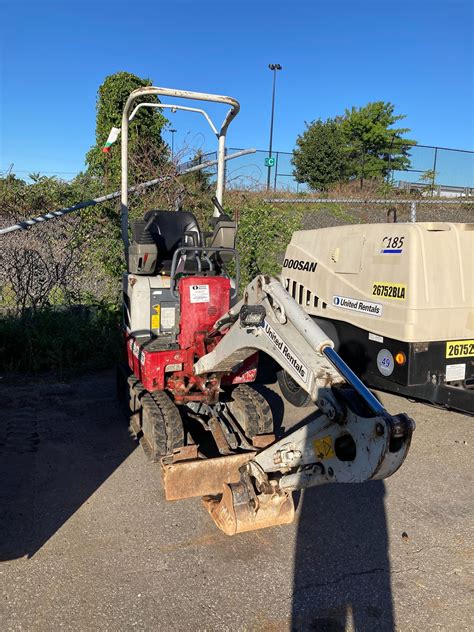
x=171, y=229
x=156, y=238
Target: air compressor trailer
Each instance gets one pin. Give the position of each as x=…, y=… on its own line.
x=397, y=299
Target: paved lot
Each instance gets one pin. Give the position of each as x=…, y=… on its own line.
x=87, y=541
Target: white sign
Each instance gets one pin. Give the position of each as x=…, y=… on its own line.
x=199, y=293
x=358, y=305
x=288, y=354
x=375, y=337
x=455, y=372
x=168, y=317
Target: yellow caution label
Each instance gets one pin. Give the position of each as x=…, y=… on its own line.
x=155, y=318
x=460, y=349
x=397, y=291
x=323, y=448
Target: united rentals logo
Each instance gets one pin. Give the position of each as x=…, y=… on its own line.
x=357, y=305
x=291, y=358
x=298, y=264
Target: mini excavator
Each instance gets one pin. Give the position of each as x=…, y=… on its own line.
x=192, y=350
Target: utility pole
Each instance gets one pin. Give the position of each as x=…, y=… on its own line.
x=273, y=68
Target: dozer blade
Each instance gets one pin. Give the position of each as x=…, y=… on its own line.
x=201, y=477
x=236, y=511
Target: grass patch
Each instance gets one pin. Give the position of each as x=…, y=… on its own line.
x=52, y=339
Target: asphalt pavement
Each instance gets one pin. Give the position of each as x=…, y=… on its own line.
x=87, y=541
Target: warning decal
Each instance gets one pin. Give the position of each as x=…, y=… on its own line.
x=323, y=448
x=199, y=293
x=155, y=318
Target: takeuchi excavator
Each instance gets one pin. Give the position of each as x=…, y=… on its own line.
x=192, y=349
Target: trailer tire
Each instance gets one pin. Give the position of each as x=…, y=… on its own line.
x=251, y=410
x=292, y=391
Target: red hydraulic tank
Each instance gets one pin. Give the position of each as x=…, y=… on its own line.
x=203, y=301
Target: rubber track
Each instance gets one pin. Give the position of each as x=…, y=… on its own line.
x=172, y=420
x=165, y=421
x=257, y=410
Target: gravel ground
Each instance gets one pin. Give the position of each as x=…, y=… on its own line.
x=87, y=541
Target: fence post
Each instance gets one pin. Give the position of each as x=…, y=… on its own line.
x=413, y=211
x=434, y=170
x=276, y=171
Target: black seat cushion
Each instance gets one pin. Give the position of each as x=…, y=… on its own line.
x=168, y=230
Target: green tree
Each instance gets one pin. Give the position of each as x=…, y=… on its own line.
x=361, y=144
x=319, y=157
x=372, y=146
x=145, y=141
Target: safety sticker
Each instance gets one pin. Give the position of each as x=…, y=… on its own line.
x=356, y=305
x=455, y=372
x=155, y=318
x=460, y=349
x=392, y=245
x=168, y=316
x=288, y=354
x=199, y=293
x=375, y=337
x=397, y=291
x=323, y=448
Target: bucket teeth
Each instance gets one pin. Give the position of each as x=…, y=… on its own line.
x=237, y=511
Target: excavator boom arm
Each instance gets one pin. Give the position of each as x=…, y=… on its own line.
x=351, y=438
x=268, y=319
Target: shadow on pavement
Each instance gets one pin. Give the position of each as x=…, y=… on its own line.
x=58, y=444
x=341, y=570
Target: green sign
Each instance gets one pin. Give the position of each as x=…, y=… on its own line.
x=269, y=162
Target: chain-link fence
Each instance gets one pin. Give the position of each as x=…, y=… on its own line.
x=443, y=171
x=59, y=281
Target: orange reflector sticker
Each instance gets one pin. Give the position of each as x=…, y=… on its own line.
x=400, y=358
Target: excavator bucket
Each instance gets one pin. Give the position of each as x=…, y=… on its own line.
x=237, y=511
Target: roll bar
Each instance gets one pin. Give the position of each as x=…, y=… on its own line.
x=182, y=94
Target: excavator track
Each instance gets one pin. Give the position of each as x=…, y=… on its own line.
x=252, y=411
x=155, y=420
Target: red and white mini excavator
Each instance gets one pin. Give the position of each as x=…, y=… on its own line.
x=192, y=348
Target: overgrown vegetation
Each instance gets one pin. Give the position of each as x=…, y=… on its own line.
x=145, y=143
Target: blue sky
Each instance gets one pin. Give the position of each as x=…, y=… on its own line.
x=54, y=55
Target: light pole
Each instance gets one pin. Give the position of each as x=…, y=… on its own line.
x=274, y=68
x=172, y=142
